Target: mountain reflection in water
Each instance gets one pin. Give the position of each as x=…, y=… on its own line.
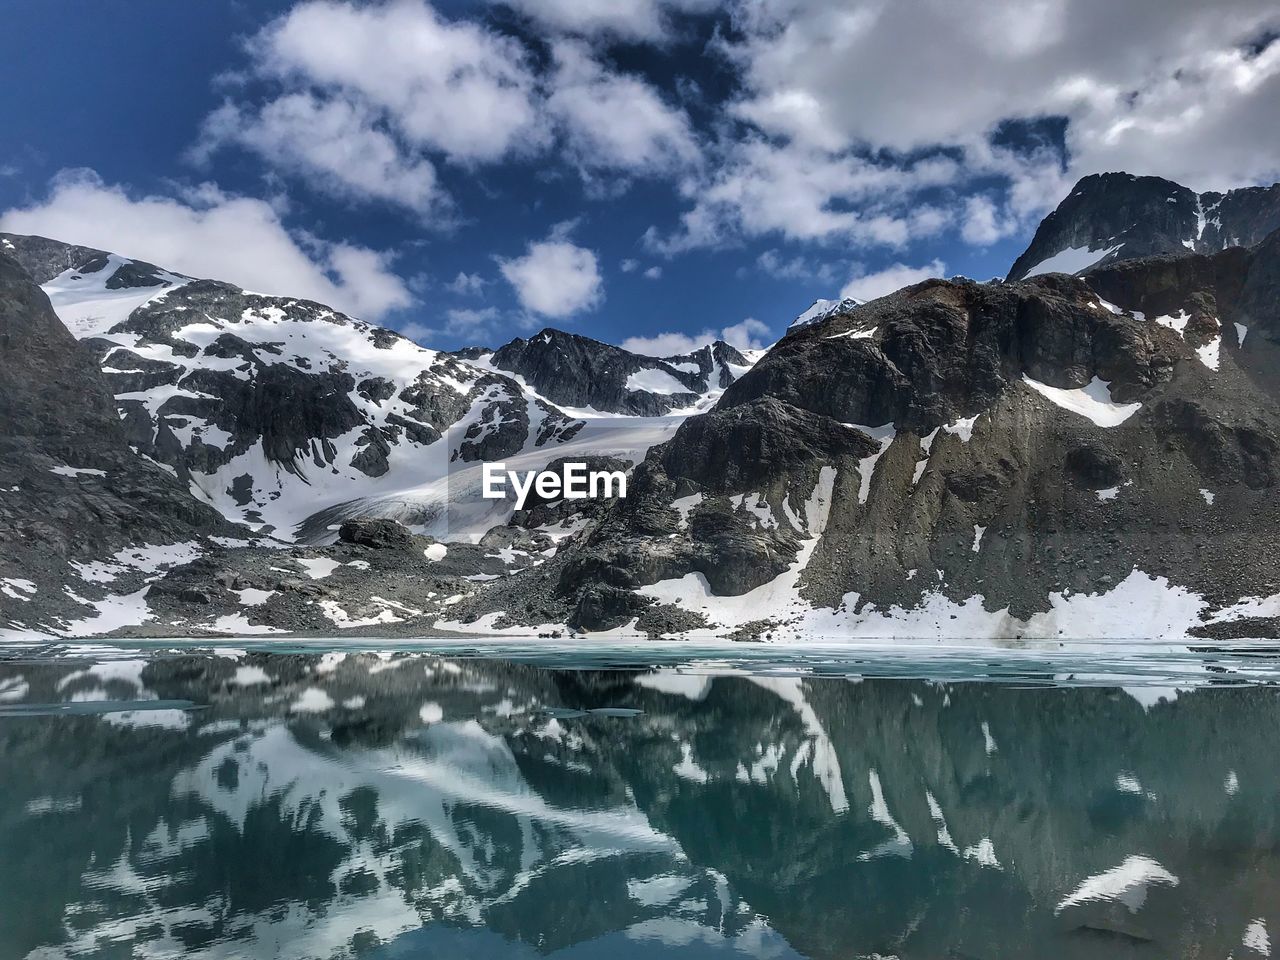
x=319, y=806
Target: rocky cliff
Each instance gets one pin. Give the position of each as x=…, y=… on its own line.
x=72, y=489
x=1117, y=216
x=1058, y=457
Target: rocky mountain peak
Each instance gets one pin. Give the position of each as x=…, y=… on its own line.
x=1119, y=216
x=578, y=373
x=43, y=259
x=822, y=309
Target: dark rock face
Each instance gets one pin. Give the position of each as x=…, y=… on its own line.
x=943, y=350
x=43, y=259
x=739, y=446
x=47, y=375
x=70, y=486
x=576, y=371
x=1148, y=216
x=905, y=453
x=502, y=425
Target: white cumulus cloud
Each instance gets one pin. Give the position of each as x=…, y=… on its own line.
x=880, y=283
x=1169, y=87
x=466, y=284
x=750, y=334
x=213, y=235
x=368, y=100
x=621, y=19
x=614, y=120
x=763, y=188
x=336, y=143
x=452, y=86
x=555, y=277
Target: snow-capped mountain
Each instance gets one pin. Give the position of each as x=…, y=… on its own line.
x=823, y=309
x=1117, y=216
x=1058, y=457
x=1052, y=458
x=197, y=400
x=72, y=492
x=584, y=376
x=289, y=416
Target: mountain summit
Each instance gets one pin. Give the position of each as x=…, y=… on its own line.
x=1117, y=216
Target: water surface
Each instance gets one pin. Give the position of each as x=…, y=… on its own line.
x=538, y=801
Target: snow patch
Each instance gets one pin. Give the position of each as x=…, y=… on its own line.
x=317, y=568
x=10, y=587
x=312, y=700
x=111, y=613
x=687, y=768
x=249, y=677
x=1093, y=402
x=1176, y=323
x=962, y=428
x=1128, y=783
x=899, y=845
x=654, y=380
x=1256, y=938
x=685, y=505
x=854, y=334
x=657, y=891
x=1071, y=260
x=1209, y=354
x=13, y=689
x=883, y=435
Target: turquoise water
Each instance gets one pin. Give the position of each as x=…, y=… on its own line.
x=527, y=800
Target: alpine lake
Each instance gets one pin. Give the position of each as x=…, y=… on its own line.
x=535, y=799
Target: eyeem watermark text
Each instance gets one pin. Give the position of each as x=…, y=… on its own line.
x=573, y=482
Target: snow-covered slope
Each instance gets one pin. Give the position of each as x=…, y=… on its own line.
x=289, y=416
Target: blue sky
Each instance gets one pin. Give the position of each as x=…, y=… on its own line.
x=654, y=171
